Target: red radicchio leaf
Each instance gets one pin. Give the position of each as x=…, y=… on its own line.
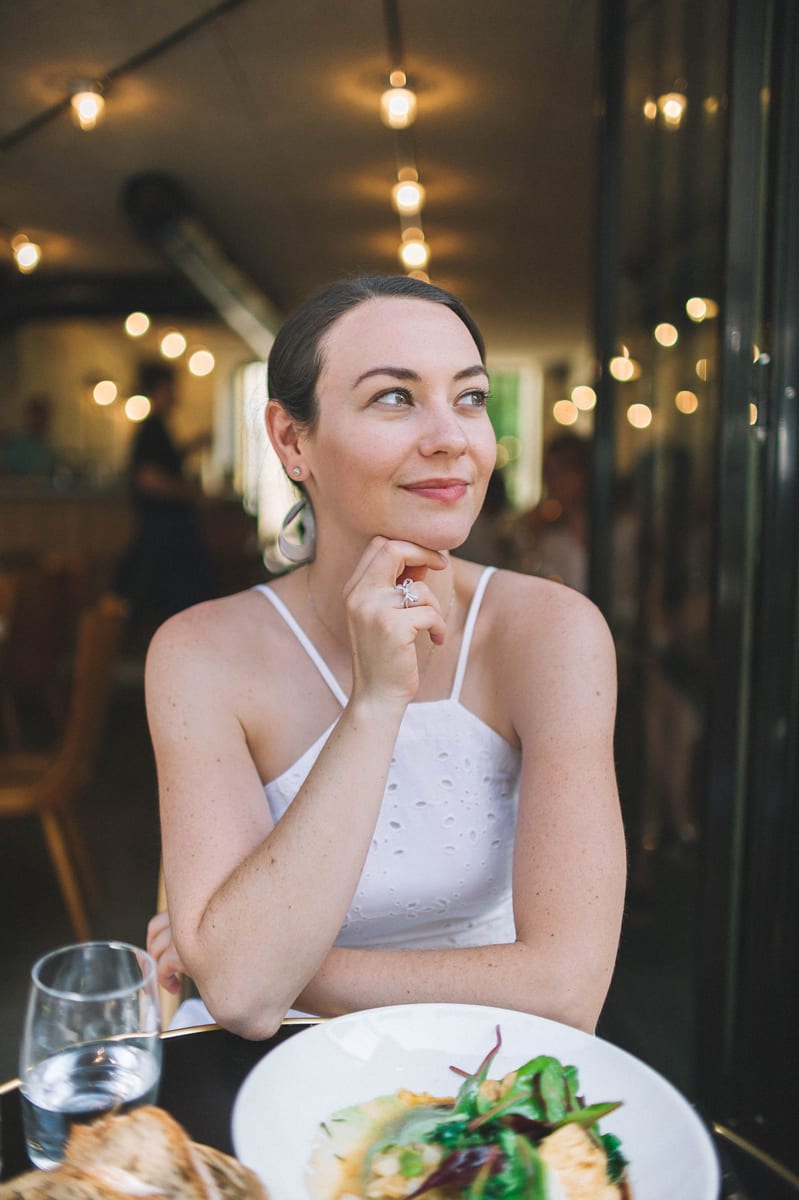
x=461, y=1167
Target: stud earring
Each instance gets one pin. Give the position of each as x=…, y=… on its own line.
x=296, y=472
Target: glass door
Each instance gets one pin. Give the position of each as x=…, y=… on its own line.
x=695, y=540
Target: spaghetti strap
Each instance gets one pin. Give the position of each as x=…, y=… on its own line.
x=468, y=630
x=305, y=642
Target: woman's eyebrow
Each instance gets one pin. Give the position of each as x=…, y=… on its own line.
x=407, y=373
x=395, y=372
x=468, y=372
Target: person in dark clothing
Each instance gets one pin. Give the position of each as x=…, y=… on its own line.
x=167, y=566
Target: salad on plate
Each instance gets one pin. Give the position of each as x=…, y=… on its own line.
x=529, y=1135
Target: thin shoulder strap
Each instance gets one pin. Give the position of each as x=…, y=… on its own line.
x=468, y=630
x=305, y=642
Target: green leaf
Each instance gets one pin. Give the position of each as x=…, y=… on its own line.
x=524, y=1096
x=617, y=1163
x=523, y=1177
x=410, y=1163
x=584, y=1117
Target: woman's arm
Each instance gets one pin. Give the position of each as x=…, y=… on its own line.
x=254, y=909
x=569, y=866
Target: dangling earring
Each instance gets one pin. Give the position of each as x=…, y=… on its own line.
x=302, y=551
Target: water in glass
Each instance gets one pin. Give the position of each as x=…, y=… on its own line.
x=91, y=1042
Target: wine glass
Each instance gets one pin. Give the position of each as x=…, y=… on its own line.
x=90, y=1043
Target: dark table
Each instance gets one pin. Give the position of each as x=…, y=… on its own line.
x=203, y=1071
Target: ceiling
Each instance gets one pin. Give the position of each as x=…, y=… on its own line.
x=267, y=115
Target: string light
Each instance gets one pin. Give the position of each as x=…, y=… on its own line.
x=565, y=412
x=686, y=401
x=639, y=416
x=398, y=112
x=173, y=344
x=136, y=324
x=105, y=392
x=584, y=397
x=137, y=407
x=27, y=254
x=672, y=106
x=88, y=105
x=398, y=102
x=666, y=334
x=201, y=361
x=414, y=252
x=407, y=196
x=700, y=308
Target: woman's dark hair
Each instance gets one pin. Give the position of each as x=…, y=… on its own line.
x=296, y=358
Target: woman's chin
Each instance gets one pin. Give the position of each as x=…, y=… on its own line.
x=443, y=536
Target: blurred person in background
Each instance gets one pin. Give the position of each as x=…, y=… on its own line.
x=551, y=539
x=29, y=451
x=167, y=566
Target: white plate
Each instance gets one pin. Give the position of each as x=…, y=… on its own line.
x=358, y=1057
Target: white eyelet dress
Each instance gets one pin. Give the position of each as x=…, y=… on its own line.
x=438, y=872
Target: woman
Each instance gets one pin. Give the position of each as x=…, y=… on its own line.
x=441, y=819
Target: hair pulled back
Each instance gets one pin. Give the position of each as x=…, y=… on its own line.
x=297, y=355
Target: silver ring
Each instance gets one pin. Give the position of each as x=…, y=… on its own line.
x=409, y=596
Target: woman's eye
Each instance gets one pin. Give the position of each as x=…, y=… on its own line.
x=394, y=398
x=475, y=398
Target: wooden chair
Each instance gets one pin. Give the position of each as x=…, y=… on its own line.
x=48, y=785
x=40, y=634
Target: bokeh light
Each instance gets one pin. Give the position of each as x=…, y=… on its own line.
x=137, y=408
x=639, y=416
x=105, y=392
x=136, y=324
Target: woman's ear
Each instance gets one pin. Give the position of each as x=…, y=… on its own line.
x=285, y=437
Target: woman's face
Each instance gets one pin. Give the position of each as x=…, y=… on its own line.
x=402, y=446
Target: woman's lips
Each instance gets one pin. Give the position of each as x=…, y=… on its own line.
x=446, y=490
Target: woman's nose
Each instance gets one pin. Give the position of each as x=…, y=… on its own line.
x=443, y=432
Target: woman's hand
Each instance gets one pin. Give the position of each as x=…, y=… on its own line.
x=383, y=629
x=161, y=946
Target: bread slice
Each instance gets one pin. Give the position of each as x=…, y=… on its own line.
x=70, y=1183
x=141, y=1154
x=148, y=1144
x=233, y=1180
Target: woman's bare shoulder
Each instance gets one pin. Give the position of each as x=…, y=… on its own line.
x=545, y=622
x=215, y=642
x=207, y=626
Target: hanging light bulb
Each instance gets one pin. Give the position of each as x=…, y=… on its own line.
x=105, y=392
x=398, y=102
x=201, y=361
x=137, y=407
x=27, y=254
x=565, y=412
x=136, y=324
x=407, y=196
x=583, y=397
x=414, y=251
x=666, y=334
x=672, y=106
x=88, y=105
x=639, y=416
x=173, y=344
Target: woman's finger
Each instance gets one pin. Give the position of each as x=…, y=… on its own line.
x=387, y=562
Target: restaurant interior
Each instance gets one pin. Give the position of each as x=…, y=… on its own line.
x=607, y=185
